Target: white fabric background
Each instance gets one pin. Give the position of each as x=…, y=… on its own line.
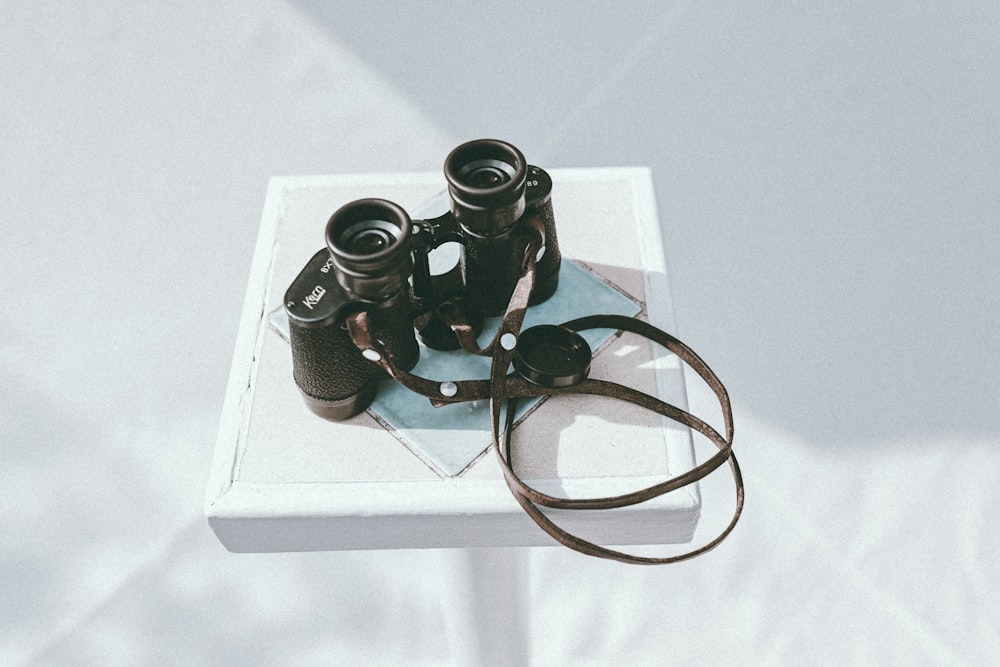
x=827, y=181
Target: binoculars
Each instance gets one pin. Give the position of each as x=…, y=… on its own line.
x=356, y=310
x=376, y=261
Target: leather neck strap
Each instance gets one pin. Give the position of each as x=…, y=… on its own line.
x=505, y=387
x=510, y=388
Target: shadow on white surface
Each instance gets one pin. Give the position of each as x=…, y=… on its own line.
x=826, y=179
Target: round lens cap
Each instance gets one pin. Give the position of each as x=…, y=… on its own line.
x=552, y=356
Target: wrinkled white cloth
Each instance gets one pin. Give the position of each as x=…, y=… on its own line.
x=136, y=146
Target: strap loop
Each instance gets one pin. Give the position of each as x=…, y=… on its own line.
x=504, y=387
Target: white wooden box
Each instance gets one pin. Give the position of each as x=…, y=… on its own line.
x=283, y=479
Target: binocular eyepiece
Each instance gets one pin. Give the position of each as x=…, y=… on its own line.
x=376, y=260
x=369, y=242
x=486, y=182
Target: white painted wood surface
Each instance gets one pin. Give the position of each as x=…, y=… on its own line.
x=285, y=480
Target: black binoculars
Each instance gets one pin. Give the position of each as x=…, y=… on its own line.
x=376, y=260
